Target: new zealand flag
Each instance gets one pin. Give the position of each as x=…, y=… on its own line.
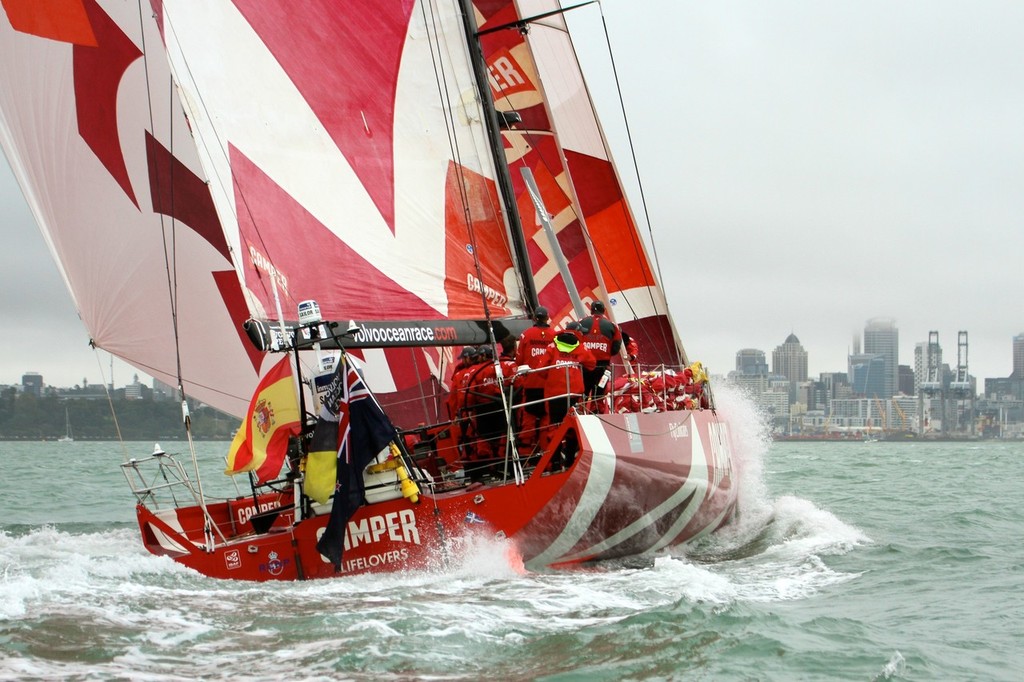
x=352, y=424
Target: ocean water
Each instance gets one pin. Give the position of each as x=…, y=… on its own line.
x=850, y=561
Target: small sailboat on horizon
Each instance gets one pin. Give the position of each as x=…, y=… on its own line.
x=67, y=437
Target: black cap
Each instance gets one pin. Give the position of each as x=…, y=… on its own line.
x=540, y=313
x=568, y=338
x=597, y=307
x=574, y=326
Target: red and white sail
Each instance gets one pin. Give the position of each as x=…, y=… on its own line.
x=344, y=143
x=536, y=74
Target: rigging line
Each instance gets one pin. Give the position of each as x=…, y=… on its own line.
x=208, y=523
x=496, y=208
x=506, y=210
x=170, y=262
x=222, y=153
x=110, y=402
x=643, y=433
x=523, y=24
x=416, y=372
x=146, y=367
x=632, y=148
x=445, y=98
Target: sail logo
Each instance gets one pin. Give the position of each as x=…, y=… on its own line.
x=493, y=295
x=403, y=335
x=261, y=262
x=506, y=76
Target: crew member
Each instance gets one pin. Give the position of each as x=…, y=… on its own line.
x=601, y=337
x=455, y=396
x=530, y=354
x=484, y=400
x=460, y=387
x=567, y=360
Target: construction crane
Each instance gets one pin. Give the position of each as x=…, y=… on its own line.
x=960, y=388
x=881, y=414
x=932, y=385
x=902, y=414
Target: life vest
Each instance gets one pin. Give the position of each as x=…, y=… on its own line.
x=601, y=337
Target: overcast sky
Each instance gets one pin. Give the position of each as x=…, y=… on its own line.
x=807, y=166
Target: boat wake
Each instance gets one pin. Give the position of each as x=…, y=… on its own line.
x=774, y=548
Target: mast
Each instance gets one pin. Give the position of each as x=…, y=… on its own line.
x=503, y=175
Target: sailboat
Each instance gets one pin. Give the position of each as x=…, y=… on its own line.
x=67, y=437
x=300, y=213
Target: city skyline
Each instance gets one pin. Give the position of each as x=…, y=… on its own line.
x=1015, y=353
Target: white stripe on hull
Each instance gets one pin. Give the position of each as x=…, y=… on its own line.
x=697, y=487
x=599, y=482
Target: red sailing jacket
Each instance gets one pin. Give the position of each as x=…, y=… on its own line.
x=483, y=386
x=562, y=363
x=601, y=336
x=460, y=383
x=533, y=346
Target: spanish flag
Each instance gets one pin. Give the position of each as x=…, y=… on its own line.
x=261, y=443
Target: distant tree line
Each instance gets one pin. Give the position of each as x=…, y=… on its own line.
x=27, y=417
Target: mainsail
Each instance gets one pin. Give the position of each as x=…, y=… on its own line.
x=535, y=74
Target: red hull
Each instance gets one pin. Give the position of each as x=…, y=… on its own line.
x=640, y=483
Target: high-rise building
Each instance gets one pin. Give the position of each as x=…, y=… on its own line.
x=751, y=362
x=1018, y=357
x=790, y=360
x=868, y=374
x=881, y=337
x=906, y=381
x=32, y=382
